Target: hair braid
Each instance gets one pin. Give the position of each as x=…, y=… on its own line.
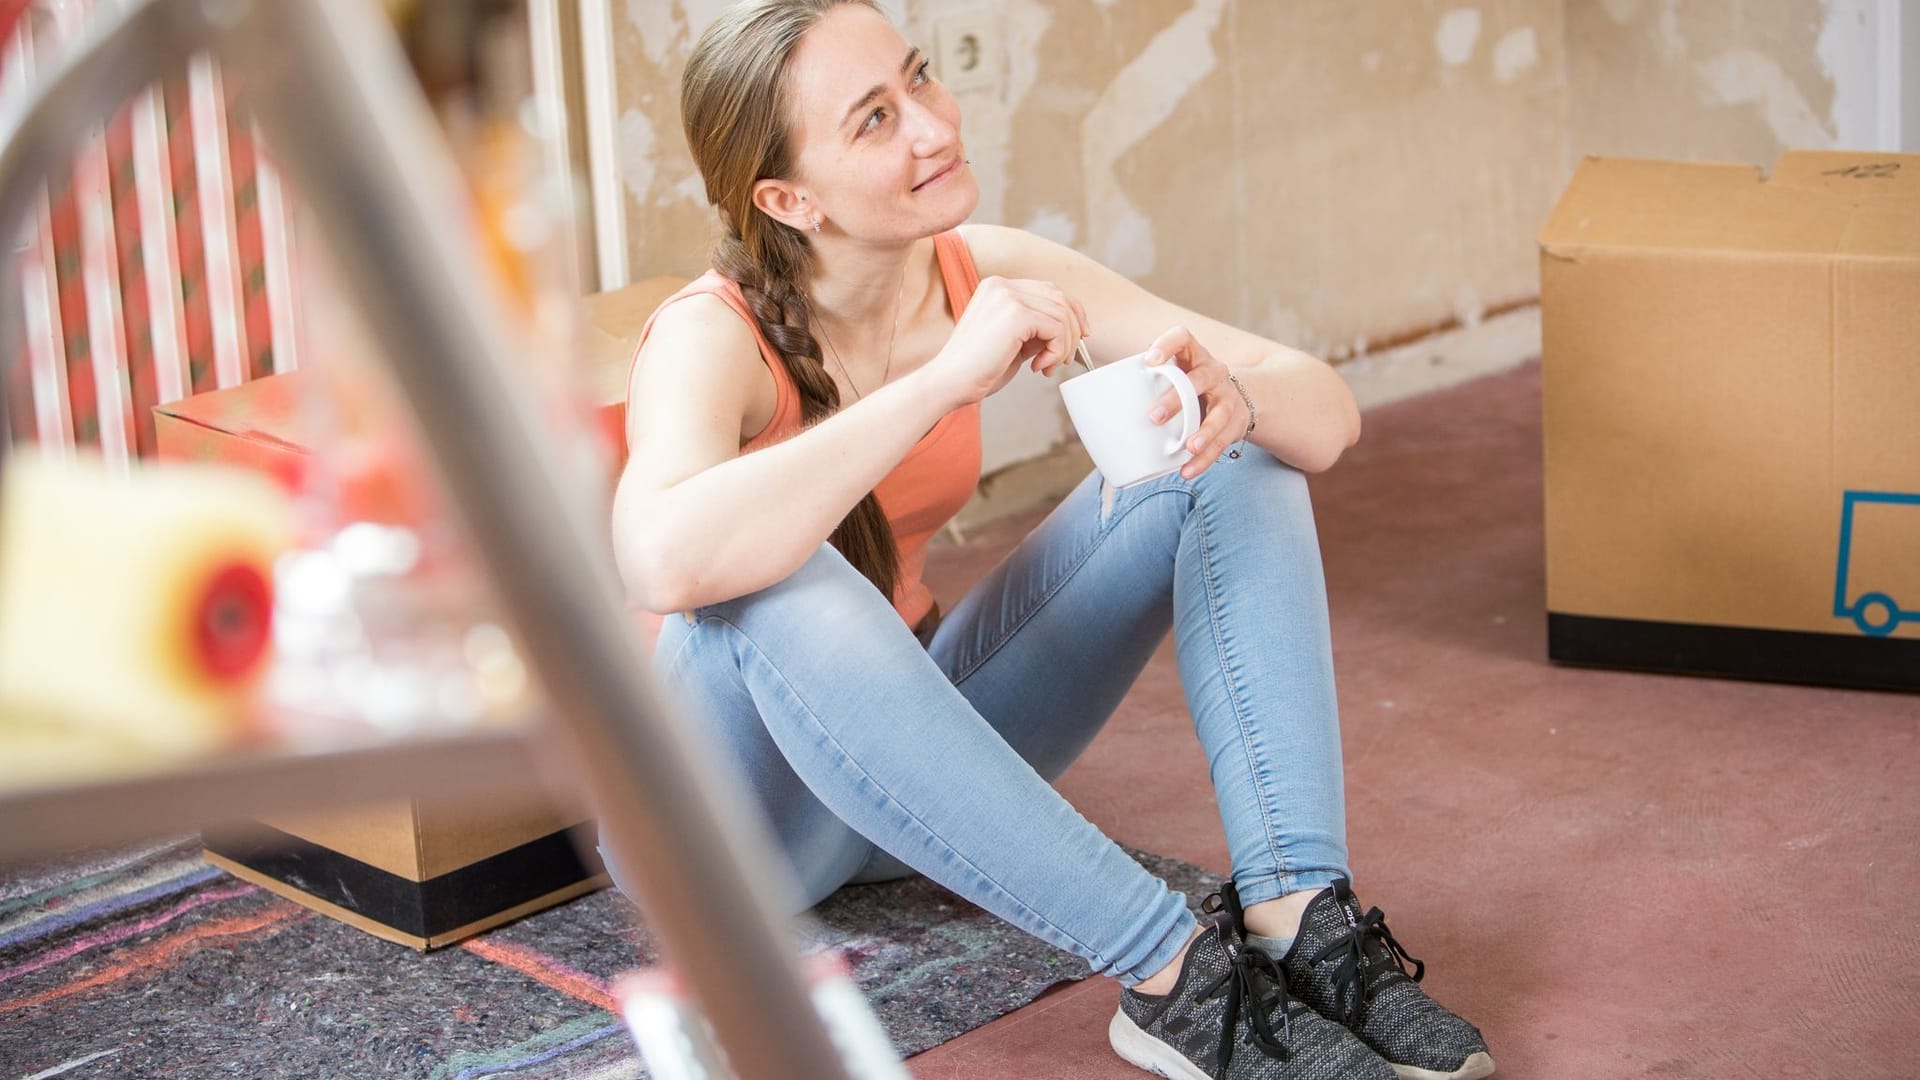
x=734, y=105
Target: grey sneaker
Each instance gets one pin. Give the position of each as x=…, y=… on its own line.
x=1229, y=1017
x=1350, y=969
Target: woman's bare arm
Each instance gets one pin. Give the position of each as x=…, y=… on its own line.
x=1308, y=416
x=695, y=521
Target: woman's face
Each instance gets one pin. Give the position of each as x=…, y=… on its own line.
x=877, y=140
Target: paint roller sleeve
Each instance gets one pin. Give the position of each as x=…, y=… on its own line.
x=134, y=609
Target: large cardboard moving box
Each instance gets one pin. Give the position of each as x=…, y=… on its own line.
x=1732, y=418
x=425, y=872
x=422, y=872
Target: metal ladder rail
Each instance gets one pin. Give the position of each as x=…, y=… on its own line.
x=332, y=92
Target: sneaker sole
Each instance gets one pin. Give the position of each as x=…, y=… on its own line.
x=1144, y=1051
x=1477, y=1065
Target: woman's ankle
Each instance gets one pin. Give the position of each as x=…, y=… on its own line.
x=1163, y=981
x=1279, y=917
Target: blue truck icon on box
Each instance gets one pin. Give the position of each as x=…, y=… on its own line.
x=1887, y=523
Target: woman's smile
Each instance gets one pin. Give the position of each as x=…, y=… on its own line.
x=940, y=177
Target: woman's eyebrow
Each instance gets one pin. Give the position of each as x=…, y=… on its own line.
x=878, y=88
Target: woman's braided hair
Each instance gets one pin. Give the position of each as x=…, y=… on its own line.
x=733, y=99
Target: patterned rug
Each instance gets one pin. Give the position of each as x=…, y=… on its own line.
x=150, y=963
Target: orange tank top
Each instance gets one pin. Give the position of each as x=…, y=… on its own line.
x=939, y=473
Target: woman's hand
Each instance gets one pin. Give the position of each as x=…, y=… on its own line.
x=1222, y=410
x=1009, y=322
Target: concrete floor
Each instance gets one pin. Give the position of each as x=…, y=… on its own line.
x=1613, y=874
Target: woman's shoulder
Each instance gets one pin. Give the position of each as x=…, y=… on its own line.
x=1006, y=251
x=701, y=352
x=702, y=323
x=699, y=317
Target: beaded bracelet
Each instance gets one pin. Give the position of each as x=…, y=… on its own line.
x=1253, y=416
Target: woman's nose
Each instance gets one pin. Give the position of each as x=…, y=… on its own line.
x=929, y=132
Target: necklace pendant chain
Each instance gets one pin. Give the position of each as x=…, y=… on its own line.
x=887, y=371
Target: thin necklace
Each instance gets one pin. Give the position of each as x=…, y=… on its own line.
x=885, y=373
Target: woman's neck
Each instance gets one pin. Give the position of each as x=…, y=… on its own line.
x=859, y=290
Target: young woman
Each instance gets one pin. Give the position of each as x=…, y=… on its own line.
x=803, y=418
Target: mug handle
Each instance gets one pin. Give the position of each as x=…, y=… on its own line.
x=1189, y=402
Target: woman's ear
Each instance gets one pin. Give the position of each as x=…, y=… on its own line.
x=784, y=203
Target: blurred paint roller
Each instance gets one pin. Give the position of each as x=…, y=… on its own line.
x=135, y=610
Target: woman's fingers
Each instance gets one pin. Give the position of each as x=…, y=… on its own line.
x=1209, y=381
x=1063, y=323
x=1050, y=328
x=1173, y=343
x=1209, y=443
x=1217, y=430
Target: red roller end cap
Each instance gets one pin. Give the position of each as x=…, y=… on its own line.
x=234, y=622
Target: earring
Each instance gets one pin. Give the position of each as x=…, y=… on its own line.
x=816, y=224
x=967, y=160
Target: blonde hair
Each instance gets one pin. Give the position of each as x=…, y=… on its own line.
x=737, y=114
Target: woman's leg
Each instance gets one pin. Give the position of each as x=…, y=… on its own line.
x=1046, y=645
x=835, y=713
x=825, y=852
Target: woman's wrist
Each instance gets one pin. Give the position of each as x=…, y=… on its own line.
x=929, y=386
x=1253, y=415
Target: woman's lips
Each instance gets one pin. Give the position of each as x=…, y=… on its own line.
x=939, y=176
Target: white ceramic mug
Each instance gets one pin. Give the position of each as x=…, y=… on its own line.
x=1109, y=407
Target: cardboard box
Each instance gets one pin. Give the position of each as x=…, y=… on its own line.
x=259, y=423
x=419, y=872
x=1732, y=418
x=422, y=872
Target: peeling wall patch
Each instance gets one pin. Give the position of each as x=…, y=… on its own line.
x=636, y=153
x=1621, y=11
x=1141, y=96
x=659, y=28
x=1054, y=224
x=1458, y=33
x=1667, y=35
x=1746, y=77
x=692, y=189
x=1516, y=54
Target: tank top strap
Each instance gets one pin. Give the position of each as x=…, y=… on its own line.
x=786, y=409
x=956, y=269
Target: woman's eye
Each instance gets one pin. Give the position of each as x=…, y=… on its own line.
x=873, y=120
x=920, y=73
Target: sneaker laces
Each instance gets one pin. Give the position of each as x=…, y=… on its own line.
x=1246, y=996
x=1368, y=937
x=1227, y=900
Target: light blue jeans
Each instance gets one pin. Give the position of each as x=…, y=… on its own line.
x=873, y=754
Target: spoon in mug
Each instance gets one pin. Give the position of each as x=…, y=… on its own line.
x=1081, y=355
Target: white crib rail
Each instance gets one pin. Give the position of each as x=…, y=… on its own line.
x=34, y=40
x=46, y=348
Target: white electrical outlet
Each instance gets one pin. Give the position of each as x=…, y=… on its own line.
x=967, y=51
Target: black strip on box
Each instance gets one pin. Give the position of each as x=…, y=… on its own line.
x=423, y=909
x=1849, y=660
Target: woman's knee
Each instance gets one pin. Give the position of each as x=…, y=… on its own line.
x=825, y=590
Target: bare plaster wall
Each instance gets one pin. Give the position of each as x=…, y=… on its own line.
x=1321, y=172
x=1731, y=80
x=1335, y=174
